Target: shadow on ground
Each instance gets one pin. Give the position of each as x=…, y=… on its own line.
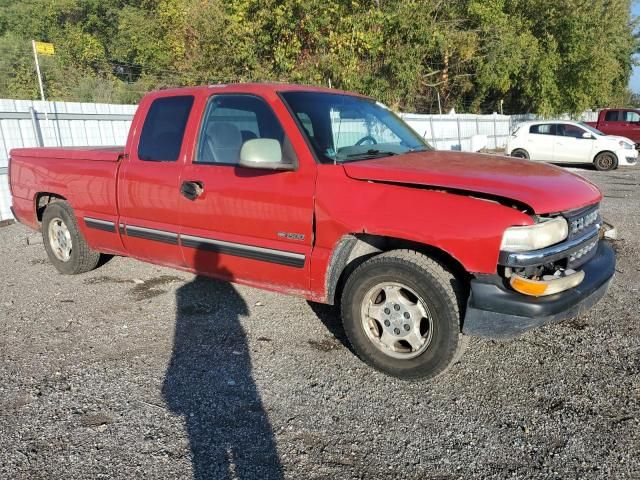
x=209, y=382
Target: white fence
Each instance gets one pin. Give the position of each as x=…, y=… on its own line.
x=26, y=123
x=454, y=132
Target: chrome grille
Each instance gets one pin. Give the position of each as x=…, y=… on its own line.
x=582, y=220
x=582, y=255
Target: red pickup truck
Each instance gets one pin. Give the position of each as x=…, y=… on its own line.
x=622, y=122
x=328, y=195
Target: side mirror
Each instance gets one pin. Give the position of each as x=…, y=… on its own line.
x=264, y=153
x=587, y=135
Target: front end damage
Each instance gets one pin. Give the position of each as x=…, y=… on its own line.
x=544, y=285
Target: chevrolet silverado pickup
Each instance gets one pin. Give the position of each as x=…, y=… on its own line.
x=330, y=196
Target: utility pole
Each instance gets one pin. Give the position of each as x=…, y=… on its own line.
x=35, y=57
x=435, y=87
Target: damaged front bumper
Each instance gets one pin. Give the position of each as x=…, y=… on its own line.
x=495, y=310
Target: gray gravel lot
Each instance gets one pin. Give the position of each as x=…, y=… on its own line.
x=138, y=371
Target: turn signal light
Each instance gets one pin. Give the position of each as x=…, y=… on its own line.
x=528, y=287
x=539, y=288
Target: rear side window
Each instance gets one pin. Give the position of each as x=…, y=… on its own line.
x=630, y=116
x=611, y=116
x=543, y=129
x=163, y=130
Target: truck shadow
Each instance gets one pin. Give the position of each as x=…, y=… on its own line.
x=209, y=383
x=329, y=315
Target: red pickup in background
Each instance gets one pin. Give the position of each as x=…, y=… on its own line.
x=328, y=195
x=623, y=122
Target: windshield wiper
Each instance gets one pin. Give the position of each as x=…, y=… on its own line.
x=373, y=152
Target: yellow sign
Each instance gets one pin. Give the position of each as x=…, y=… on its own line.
x=44, y=48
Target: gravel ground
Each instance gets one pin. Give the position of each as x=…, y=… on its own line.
x=137, y=371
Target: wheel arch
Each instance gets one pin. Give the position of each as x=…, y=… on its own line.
x=42, y=199
x=355, y=248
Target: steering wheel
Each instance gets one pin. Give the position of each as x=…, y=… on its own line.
x=364, y=139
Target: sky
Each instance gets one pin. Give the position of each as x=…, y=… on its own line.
x=634, y=83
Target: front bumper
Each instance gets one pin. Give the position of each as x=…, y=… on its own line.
x=627, y=157
x=496, y=311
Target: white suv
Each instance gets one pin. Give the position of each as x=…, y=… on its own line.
x=570, y=142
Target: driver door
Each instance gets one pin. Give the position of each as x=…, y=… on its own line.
x=249, y=225
x=631, y=125
x=571, y=146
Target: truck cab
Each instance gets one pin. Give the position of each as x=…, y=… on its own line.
x=622, y=122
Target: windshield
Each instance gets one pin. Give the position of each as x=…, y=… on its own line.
x=591, y=129
x=345, y=128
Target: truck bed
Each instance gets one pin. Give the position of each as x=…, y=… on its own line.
x=84, y=176
x=98, y=154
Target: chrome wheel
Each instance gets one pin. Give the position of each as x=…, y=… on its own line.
x=60, y=239
x=396, y=320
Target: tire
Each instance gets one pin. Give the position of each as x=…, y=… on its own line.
x=520, y=153
x=605, y=161
x=410, y=284
x=64, y=243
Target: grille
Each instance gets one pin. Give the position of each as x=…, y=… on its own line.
x=583, y=255
x=581, y=220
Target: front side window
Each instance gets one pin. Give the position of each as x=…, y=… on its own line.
x=543, y=129
x=163, y=129
x=232, y=120
x=631, y=116
x=568, y=130
x=342, y=128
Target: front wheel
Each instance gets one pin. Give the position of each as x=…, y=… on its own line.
x=401, y=313
x=605, y=161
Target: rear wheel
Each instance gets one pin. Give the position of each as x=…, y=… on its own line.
x=65, y=246
x=401, y=314
x=605, y=161
x=520, y=153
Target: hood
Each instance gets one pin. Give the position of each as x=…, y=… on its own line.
x=616, y=139
x=544, y=188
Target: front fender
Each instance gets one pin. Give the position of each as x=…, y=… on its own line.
x=467, y=228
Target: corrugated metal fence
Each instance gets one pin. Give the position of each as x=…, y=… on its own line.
x=454, y=132
x=25, y=123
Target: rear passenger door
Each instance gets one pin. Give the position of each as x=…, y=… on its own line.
x=249, y=225
x=541, y=141
x=149, y=181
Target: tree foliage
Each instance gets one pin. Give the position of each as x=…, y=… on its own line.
x=543, y=56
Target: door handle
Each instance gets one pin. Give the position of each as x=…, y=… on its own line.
x=191, y=189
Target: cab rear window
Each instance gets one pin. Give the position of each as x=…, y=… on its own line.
x=163, y=130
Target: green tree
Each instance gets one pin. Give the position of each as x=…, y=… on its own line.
x=544, y=56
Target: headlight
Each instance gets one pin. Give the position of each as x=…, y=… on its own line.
x=629, y=146
x=533, y=237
